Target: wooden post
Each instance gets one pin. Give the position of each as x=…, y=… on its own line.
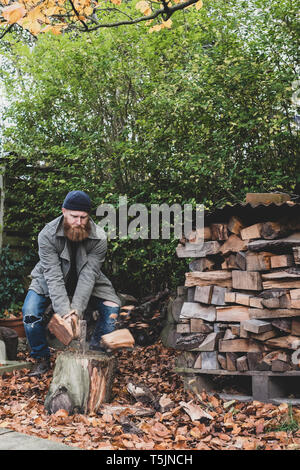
x=81, y=382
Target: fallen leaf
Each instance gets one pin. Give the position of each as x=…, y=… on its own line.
x=195, y=411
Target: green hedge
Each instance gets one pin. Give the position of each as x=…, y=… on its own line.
x=201, y=113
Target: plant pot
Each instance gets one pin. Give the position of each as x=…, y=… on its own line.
x=15, y=324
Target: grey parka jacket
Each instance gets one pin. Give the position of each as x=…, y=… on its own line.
x=51, y=272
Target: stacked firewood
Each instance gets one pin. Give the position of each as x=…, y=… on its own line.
x=144, y=319
x=239, y=309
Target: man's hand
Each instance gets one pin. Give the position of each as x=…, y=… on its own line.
x=73, y=319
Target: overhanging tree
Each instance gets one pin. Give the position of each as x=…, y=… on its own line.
x=40, y=16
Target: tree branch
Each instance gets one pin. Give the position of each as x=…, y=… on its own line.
x=166, y=12
x=7, y=30
x=170, y=12
x=76, y=13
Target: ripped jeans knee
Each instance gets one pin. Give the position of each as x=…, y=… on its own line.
x=30, y=319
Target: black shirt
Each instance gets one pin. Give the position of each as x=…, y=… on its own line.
x=72, y=279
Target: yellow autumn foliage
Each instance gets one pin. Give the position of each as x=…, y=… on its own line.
x=40, y=16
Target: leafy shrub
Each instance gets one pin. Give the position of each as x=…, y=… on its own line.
x=12, y=280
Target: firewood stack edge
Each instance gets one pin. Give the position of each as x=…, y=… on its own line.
x=239, y=309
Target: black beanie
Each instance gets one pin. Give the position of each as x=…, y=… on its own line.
x=77, y=201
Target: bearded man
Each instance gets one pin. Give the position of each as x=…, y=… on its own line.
x=72, y=249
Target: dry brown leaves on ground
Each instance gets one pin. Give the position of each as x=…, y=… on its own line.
x=191, y=421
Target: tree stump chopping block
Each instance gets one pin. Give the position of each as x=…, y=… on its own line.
x=81, y=382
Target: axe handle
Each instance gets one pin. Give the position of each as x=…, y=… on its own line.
x=82, y=335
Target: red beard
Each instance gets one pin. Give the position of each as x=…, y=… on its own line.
x=78, y=233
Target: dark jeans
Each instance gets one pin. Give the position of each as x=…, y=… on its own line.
x=33, y=309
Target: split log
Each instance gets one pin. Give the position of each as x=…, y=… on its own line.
x=195, y=310
x=246, y=280
x=281, y=284
x=284, y=342
x=230, y=297
x=64, y=329
x=196, y=236
x=273, y=293
x=208, y=344
x=117, y=339
x=183, y=327
x=281, y=261
x=283, y=324
x=81, y=382
x=258, y=261
x=194, y=250
x=231, y=358
x=202, y=264
x=276, y=355
x=272, y=230
x=229, y=335
x=249, y=233
x=241, y=260
x=278, y=302
x=198, y=362
x=233, y=313
x=219, y=231
x=231, y=262
x=280, y=366
x=219, y=327
x=235, y=225
x=199, y=326
x=255, y=302
x=189, y=342
x=243, y=333
x=242, y=299
x=242, y=364
x=222, y=361
x=191, y=294
x=281, y=244
x=256, y=199
x=235, y=329
x=273, y=313
x=218, y=295
x=253, y=359
x=285, y=274
x=295, y=294
x=203, y=294
x=214, y=295
x=264, y=336
x=257, y=326
x=296, y=253
x=219, y=278
x=210, y=360
x=295, y=330
x=240, y=345
x=233, y=245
